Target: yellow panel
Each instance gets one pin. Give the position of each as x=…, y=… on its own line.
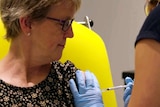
x=4, y=45
x=88, y=52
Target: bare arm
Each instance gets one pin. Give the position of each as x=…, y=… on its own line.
x=146, y=90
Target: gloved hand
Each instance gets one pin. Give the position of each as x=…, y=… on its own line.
x=86, y=91
x=128, y=90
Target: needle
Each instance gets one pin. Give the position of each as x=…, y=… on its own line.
x=113, y=88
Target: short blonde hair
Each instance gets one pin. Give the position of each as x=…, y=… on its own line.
x=12, y=10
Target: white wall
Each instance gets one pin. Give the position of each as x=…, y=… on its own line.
x=118, y=23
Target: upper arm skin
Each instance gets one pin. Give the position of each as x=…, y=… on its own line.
x=146, y=90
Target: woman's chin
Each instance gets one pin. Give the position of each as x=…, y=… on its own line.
x=58, y=57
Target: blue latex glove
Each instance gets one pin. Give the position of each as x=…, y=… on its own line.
x=128, y=90
x=86, y=91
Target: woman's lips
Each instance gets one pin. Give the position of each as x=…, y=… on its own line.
x=61, y=45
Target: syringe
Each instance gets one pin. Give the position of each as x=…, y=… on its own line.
x=113, y=88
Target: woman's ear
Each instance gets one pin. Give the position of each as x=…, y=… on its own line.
x=25, y=25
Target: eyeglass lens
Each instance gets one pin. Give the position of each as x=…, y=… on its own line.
x=67, y=24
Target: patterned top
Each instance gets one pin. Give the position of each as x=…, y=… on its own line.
x=54, y=91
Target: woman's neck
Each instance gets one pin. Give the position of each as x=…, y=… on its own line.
x=17, y=72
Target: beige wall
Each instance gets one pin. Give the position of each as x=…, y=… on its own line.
x=118, y=23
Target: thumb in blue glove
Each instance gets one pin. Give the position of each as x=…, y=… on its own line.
x=86, y=91
x=127, y=93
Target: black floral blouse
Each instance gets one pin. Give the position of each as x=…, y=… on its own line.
x=54, y=91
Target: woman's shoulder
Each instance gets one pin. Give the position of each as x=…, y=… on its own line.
x=66, y=65
x=151, y=26
x=66, y=69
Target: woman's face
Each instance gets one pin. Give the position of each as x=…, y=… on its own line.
x=48, y=38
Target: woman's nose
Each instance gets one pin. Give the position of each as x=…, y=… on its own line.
x=69, y=33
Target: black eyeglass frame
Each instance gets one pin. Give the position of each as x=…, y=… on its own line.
x=66, y=24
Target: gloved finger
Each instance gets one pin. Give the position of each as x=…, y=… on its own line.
x=80, y=79
x=127, y=91
x=95, y=81
x=73, y=88
x=130, y=84
x=128, y=79
x=89, y=79
x=127, y=101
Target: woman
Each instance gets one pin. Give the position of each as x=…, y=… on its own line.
x=30, y=74
x=146, y=88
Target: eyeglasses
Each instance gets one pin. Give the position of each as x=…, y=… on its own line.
x=150, y=5
x=66, y=24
